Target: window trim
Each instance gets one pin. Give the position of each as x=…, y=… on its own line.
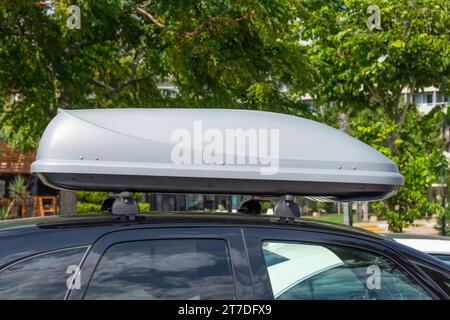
x=438, y=255
x=231, y=234
x=43, y=253
x=15, y=262
x=423, y=266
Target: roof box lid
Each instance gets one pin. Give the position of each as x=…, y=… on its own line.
x=209, y=151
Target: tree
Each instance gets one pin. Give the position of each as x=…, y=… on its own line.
x=421, y=160
x=217, y=53
x=18, y=193
x=364, y=69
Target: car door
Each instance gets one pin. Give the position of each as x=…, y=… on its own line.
x=312, y=265
x=165, y=263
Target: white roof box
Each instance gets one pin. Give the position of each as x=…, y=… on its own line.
x=209, y=151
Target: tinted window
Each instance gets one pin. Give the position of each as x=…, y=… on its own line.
x=439, y=278
x=164, y=269
x=319, y=272
x=443, y=257
x=44, y=276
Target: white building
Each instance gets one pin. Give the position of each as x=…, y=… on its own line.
x=427, y=98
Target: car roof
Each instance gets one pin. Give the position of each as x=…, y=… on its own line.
x=50, y=233
x=169, y=218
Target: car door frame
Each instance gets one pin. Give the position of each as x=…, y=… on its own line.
x=254, y=236
x=232, y=235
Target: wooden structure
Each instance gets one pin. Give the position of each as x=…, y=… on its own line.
x=42, y=206
x=12, y=162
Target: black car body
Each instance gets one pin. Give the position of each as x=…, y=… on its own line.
x=108, y=257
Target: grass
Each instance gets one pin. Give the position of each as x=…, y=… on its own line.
x=332, y=217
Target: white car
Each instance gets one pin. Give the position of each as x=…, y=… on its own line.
x=437, y=246
x=287, y=274
x=326, y=272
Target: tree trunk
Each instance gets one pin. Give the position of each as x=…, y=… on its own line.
x=365, y=212
x=359, y=211
x=347, y=213
x=67, y=202
x=11, y=206
x=343, y=122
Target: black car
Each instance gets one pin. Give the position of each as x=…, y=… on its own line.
x=209, y=256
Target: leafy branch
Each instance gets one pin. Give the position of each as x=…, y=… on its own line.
x=197, y=30
x=131, y=80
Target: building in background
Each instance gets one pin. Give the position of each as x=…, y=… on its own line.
x=427, y=98
x=13, y=163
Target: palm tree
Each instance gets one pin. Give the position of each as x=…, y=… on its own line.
x=18, y=192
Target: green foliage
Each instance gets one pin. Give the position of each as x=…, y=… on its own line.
x=332, y=218
x=3, y=215
x=91, y=197
x=18, y=189
x=419, y=157
x=251, y=54
x=86, y=207
x=91, y=201
x=265, y=205
x=218, y=53
x=362, y=68
x=363, y=73
x=144, y=207
x=420, y=160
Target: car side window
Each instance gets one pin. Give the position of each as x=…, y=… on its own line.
x=300, y=271
x=439, y=278
x=443, y=257
x=46, y=276
x=164, y=269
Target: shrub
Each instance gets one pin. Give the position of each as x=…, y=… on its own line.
x=91, y=202
x=85, y=207
x=3, y=215
x=144, y=207
x=91, y=197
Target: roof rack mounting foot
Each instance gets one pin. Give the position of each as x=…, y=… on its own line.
x=121, y=204
x=286, y=208
x=251, y=206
